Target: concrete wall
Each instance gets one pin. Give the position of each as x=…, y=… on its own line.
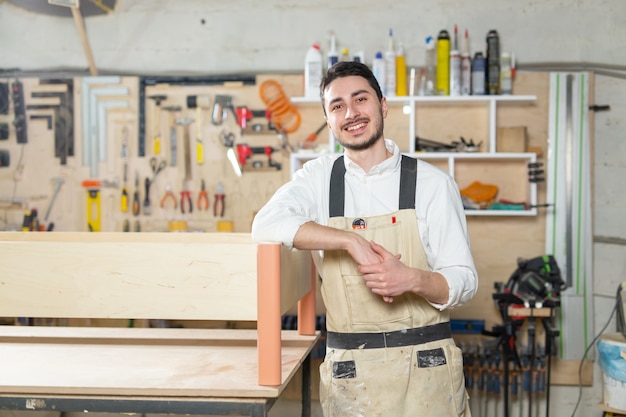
x=246, y=36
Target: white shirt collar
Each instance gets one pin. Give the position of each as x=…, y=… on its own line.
x=390, y=164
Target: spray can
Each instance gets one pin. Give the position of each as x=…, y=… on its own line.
x=443, y=63
x=378, y=68
x=313, y=71
x=479, y=65
x=506, y=74
x=455, y=73
x=493, y=63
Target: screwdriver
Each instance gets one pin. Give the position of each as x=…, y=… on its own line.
x=136, y=195
x=313, y=136
x=124, y=200
x=146, y=201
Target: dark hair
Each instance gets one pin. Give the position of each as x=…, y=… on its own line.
x=346, y=69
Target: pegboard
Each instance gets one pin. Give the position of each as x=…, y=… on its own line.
x=110, y=116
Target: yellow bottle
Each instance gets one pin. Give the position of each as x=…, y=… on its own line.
x=443, y=64
x=401, y=88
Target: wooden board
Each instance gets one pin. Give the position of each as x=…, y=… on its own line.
x=140, y=362
x=141, y=276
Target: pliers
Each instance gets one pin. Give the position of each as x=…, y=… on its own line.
x=185, y=199
x=203, y=199
x=218, y=206
x=169, y=195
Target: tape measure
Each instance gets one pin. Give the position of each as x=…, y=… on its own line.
x=93, y=205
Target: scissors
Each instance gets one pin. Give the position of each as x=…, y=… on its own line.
x=156, y=167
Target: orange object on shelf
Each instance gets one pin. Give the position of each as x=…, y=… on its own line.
x=283, y=114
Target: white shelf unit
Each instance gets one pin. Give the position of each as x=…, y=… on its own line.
x=410, y=105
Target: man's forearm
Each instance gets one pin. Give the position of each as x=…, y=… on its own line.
x=313, y=236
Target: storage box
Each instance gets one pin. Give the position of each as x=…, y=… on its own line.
x=511, y=139
x=612, y=353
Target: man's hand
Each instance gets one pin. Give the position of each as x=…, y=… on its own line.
x=388, y=278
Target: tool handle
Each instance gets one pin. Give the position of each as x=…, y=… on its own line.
x=203, y=201
x=199, y=151
x=218, y=206
x=136, y=203
x=124, y=200
x=185, y=200
x=157, y=144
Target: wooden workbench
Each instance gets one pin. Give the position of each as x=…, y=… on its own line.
x=147, y=370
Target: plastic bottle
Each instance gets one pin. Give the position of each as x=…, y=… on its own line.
x=466, y=68
x=333, y=55
x=313, y=71
x=479, y=68
x=493, y=63
x=430, y=73
x=345, y=54
x=390, y=66
x=506, y=74
x=443, y=64
x=378, y=68
x=401, y=87
x=455, y=73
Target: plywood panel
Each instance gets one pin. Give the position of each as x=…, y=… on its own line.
x=143, y=362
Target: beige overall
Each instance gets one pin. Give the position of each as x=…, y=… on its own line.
x=424, y=380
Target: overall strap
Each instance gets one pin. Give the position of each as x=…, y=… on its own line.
x=408, y=181
x=337, y=188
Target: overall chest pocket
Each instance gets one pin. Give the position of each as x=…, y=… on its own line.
x=364, y=306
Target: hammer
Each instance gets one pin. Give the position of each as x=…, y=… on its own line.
x=199, y=103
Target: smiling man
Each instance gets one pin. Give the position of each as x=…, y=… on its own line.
x=394, y=256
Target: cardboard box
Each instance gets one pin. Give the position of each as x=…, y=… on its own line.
x=511, y=139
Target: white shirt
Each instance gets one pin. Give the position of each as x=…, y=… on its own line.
x=440, y=214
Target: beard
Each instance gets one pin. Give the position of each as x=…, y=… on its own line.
x=369, y=142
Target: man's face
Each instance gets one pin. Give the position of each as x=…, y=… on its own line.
x=353, y=112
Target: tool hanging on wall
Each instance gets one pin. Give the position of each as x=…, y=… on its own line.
x=185, y=195
x=157, y=123
x=228, y=140
x=169, y=195
x=147, y=210
x=19, y=111
x=124, y=155
x=283, y=113
x=58, y=182
x=244, y=152
x=93, y=204
x=222, y=104
x=203, y=199
x=136, y=196
x=245, y=115
x=172, y=110
x=218, y=205
x=199, y=103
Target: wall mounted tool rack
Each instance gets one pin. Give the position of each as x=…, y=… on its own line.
x=146, y=81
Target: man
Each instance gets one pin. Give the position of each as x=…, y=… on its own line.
x=396, y=256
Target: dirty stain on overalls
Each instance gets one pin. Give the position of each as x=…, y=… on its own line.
x=385, y=359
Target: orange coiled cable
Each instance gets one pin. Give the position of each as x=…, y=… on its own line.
x=283, y=114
